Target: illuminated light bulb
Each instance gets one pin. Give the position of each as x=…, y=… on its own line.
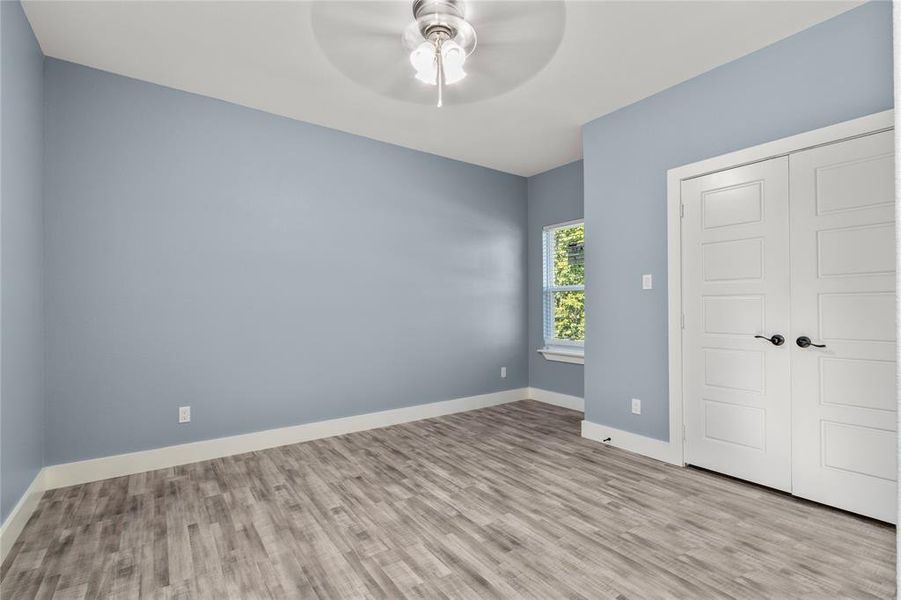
x=453, y=57
x=425, y=63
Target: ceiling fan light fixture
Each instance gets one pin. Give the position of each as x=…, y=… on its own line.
x=425, y=62
x=454, y=56
x=360, y=39
x=440, y=39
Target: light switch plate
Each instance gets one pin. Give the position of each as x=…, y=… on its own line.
x=636, y=406
x=647, y=281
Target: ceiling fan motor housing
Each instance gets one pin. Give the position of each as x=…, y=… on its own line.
x=438, y=18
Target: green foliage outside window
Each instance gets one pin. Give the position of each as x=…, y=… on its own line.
x=569, y=269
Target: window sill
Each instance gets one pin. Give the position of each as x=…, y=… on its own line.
x=574, y=356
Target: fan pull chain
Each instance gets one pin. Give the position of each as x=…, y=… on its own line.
x=440, y=74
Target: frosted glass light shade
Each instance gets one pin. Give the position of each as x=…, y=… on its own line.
x=424, y=61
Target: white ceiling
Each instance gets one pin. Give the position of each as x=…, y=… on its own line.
x=265, y=55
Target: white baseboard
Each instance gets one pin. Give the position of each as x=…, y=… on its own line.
x=640, y=444
x=557, y=399
x=21, y=512
x=75, y=473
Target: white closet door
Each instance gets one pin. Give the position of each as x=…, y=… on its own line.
x=842, y=296
x=735, y=287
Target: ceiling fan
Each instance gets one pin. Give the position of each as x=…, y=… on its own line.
x=418, y=53
x=440, y=38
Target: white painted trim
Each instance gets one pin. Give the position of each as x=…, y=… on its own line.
x=75, y=473
x=576, y=357
x=640, y=444
x=21, y=512
x=827, y=135
x=896, y=28
x=881, y=121
x=563, y=224
x=557, y=399
x=674, y=316
x=97, y=469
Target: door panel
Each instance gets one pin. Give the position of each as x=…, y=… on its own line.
x=735, y=286
x=858, y=383
x=733, y=260
x=734, y=369
x=842, y=295
x=736, y=315
x=873, y=251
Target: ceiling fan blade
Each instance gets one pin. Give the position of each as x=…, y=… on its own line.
x=355, y=18
x=364, y=40
x=393, y=78
x=526, y=16
x=391, y=37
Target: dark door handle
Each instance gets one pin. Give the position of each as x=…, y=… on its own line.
x=776, y=340
x=804, y=342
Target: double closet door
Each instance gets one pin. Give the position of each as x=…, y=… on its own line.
x=789, y=331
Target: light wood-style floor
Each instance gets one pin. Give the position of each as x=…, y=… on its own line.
x=505, y=502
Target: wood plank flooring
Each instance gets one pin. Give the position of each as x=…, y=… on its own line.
x=504, y=502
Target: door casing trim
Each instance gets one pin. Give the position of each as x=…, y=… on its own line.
x=870, y=124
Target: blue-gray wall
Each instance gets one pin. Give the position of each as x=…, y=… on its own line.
x=265, y=271
x=832, y=72
x=270, y=272
x=21, y=257
x=555, y=196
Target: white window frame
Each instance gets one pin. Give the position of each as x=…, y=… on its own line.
x=556, y=349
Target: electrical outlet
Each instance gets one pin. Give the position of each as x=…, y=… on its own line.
x=503, y=372
x=184, y=414
x=636, y=406
x=647, y=281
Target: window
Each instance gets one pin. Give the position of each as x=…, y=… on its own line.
x=564, y=290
